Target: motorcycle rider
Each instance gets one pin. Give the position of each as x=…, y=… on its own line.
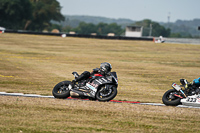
x=104, y=69
x=194, y=82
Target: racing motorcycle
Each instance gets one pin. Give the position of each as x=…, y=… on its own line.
x=97, y=87
x=186, y=94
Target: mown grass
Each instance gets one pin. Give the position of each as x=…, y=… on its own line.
x=34, y=64
x=20, y=114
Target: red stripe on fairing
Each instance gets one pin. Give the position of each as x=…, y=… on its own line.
x=98, y=75
x=178, y=96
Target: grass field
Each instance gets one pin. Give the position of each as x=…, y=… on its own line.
x=34, y=64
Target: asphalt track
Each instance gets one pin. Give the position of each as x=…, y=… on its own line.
x=114, y=101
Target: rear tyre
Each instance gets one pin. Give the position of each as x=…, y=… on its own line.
x=104, y=94
x=170, y=100
x=61, y=90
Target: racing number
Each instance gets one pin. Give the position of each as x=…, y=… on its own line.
x=191, y=99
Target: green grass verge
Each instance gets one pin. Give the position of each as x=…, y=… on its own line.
x=34, y=64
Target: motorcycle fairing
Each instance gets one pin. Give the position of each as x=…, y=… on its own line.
x=191, y=101
x=91, y=87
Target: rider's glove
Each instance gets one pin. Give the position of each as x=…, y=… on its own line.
x=189, y=84
x=96, y=70
x=186, y=86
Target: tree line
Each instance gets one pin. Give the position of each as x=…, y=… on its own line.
x=150, y=28
x=179, y=29
x=37, y=15
x=99, y=29
x=33, y=15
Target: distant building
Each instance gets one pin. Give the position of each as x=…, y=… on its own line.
x=111, y=34
x=93, y=34
x=72, y=32
x=134, y=31
x=55, y=31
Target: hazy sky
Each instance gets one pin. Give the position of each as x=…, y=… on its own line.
x=156, y=10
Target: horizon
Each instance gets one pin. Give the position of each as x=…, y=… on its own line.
x=131, y=19
x=155, y=10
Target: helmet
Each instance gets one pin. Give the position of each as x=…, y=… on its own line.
x=105, y=67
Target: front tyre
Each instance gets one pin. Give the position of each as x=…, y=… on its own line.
x=169, y=99
x=106, y=94
x=61, y=90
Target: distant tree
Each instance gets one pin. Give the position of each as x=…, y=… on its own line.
x=183, y=29
x=116, y=29
x=85, y=28
x=109, y=28
x=15, y=13
x=175, y=35
x=67, y=29
x=157, y=29
x=181, y=35
x=100, y=29
x=43, y=12
x=54, y=26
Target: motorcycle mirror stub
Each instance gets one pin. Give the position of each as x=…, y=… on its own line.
x=186, y=82
x=75, y=74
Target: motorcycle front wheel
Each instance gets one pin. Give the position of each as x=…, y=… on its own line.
x=61, y=90
x=169, y=99
x=106, y=94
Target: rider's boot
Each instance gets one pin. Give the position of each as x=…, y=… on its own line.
x=79, y=78
x=84, y=75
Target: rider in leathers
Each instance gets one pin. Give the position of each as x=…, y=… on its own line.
x=195, y=82
x=104, y=69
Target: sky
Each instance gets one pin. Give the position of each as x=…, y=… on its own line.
x=156, y=10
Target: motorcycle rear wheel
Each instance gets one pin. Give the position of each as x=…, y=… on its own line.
x=168, y=101
x=61, y=90
x=108, y=95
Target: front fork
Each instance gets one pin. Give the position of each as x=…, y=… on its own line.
x=183, y=93
x=179, y=95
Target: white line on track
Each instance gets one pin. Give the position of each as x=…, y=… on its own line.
x=40, y=96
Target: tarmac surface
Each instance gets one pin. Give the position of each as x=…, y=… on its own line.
x=114, y=101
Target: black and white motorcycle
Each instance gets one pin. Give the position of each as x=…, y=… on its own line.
x=185, y=94
x=97, y=87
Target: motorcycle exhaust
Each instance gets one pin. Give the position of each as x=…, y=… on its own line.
x=75, y=93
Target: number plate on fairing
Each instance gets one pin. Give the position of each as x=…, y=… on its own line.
x=91, y=87
x=191, y=101
x=175, y=86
